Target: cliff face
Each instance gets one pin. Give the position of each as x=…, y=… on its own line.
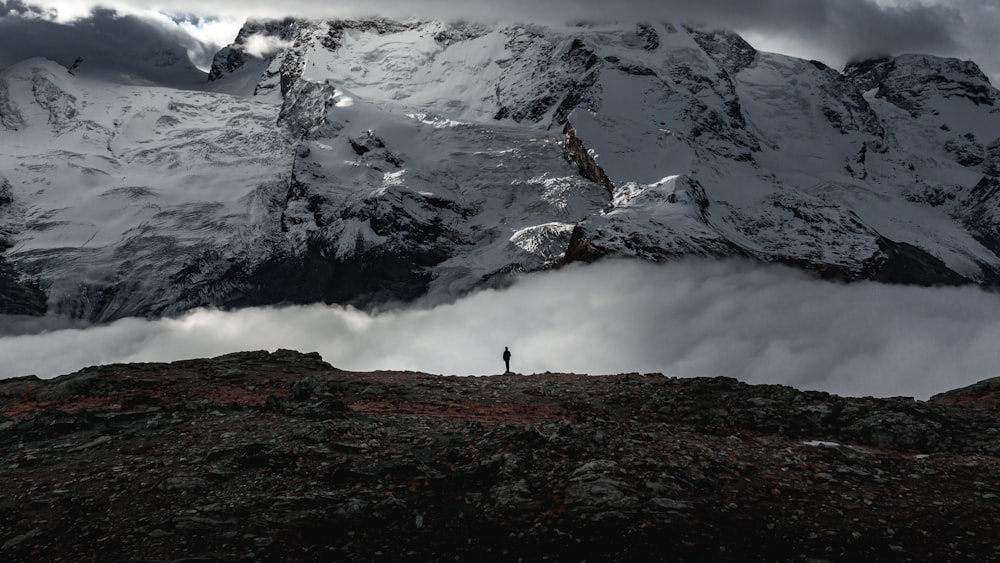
x=280, y=456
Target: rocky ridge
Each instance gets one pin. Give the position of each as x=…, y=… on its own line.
x=280, y=456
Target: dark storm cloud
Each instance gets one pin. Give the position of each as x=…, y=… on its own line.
x=133, y=44
x=18, y=8
x=843, y=27
x=849, y=28
x=693, y=318
x=979, y=34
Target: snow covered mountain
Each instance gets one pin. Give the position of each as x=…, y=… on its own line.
x=372, y=161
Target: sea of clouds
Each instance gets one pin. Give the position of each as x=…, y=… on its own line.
x=690, y=318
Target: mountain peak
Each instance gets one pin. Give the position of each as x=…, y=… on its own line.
x=38, y=91
x=726, y=47
x=909, y=81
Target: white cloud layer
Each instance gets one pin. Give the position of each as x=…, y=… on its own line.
x=693, y=318
x=261, y=45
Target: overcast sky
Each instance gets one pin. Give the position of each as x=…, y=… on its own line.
x=829, y=30
x=692, y=318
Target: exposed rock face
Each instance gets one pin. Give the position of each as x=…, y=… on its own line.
x=982, y=212
x=18, y=295
x=559, y=75
x=280, y=456
x=907, y=81
x=726, y=48
x=10, y=117
x=589, y=168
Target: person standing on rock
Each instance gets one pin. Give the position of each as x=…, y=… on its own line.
x=506, y=358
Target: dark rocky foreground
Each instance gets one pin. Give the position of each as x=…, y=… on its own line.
x=281, y=457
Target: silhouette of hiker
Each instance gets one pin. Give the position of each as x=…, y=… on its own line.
x=506, y=358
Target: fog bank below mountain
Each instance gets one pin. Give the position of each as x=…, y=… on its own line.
x=691, y=318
